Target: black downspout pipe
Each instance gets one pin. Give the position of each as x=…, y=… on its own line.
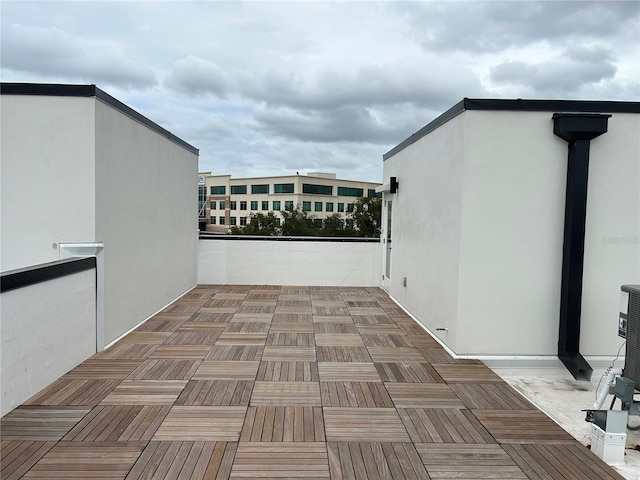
x=578, y=129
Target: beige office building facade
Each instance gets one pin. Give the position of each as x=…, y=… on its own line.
x=225, y=202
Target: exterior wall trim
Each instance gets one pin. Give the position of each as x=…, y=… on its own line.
x=23, y=277
x=67, y=90
x=204, y=236
x=579, y=106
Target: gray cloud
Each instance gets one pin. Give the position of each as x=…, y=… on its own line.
x=193, y=75
x=567, y=75
x=52, y=52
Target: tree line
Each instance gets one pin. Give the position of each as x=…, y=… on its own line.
x=363, y=221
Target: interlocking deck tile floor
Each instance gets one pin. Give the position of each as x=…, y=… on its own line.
x=285, y=382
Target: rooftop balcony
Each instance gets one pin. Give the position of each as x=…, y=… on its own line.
x=285, y=381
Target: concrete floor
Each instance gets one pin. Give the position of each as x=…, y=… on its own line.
x=563, y=398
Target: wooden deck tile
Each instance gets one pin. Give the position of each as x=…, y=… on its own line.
x=293, y=301
x=372, y=319
x=202, y=424
x=121, y=423
x=214, y=319
x=93, y=369
x=386, y=340
x=40, y=423
x=216, y=392
x=438, y=355
x=332, y=319
x=507, y=426
x=443, y=425
x=283, y=309
x=423, y=340
x=278, y=353
x=17, y=457
x=104, y=460
x=467, y=374
x=132, y=351
x=162, y=324
x=262, y=295
x=218, y=301
x=252, y=317
x=379, y=329
x=286, y=393
x=181, y=352
x=305, y=460
x=248, y=327
x=339, y=340
x=165, y=369
x=408, y=372
x=232, y=338
x=335, y=327
x=566, y=462
x=267, y=307
x=290, y=339
x=283, y=424
x=278, y=371
x=363, y=425
x=411, y=328
x=343, y=354
x=67, y=391
x=227, y=370
x=190, y=337
x=145, y=392
x=348, y=371
x=292, y=317
x=145, y=337
x=423, y=395
x=395, y=354
x=277, y=327
x=375, y=461
x=184, y=461
x=355, y=394
x=330, y=310
x=447, y=461
x=235, y=352
x=495, y=396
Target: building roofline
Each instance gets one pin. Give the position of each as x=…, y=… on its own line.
x=578, y=106
x=304, y=177
x=73, y=90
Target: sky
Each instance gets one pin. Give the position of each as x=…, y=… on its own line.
x=273, y=88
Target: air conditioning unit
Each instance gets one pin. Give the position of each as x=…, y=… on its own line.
x=629, y=328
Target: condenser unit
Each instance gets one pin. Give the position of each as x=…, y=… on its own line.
x=629, y=328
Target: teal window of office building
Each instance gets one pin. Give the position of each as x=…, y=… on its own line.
x=276, y=205
x=265, y=205
x=254, y=205
x=218, y=190
x=260, y=189
x=312, y=189
x=283, y=188
x=328, y=207
x=288, y=205
x=238, y=189
x=350, y=192
x=306, y=206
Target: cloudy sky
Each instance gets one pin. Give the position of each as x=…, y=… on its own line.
x=269, y=88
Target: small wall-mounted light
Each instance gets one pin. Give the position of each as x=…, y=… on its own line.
x=393, y=187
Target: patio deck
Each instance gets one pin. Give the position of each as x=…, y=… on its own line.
x=285, y=382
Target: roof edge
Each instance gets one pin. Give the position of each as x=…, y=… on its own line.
x=79, y=90
x=523, y=105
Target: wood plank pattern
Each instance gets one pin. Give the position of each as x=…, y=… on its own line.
x=287, y=372
x=184, y=461
x=283, y=424
x=408, y=372
x=506, y=426
x=17, y=457
x=375, y=461
x=354, y=394
x=364, y=425
x=286, y=393
x=443, y=425
x=241, y=381
x=104, y=460
x=202, y=424
x=468, y=462
x=40, y=423
x=306, y=460
x=567, y=462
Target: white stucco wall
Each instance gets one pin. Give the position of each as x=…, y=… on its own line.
x=47, y=175
x=263, y=262
x=42, y=340
x=426, y=226
x=146, y=210
x=505, y=215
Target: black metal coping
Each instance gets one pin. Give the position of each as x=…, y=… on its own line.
x=570, y=106
x=222, y=236
x=66, y=90
x=24, y=277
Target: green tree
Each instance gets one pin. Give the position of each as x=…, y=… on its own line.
x=259, y=224
x=297, y=222
x=366, y=216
